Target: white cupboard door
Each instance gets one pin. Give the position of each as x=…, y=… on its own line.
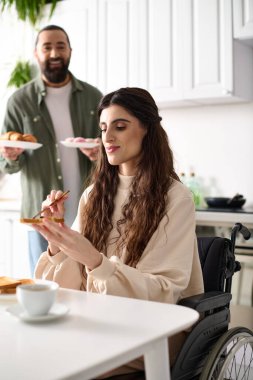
x=208, y=49
x=165, y=50
x=5, y=246
x=243, y=19
x=14, y=260
x=122, y=44
x=79, y=19
x=20, y=266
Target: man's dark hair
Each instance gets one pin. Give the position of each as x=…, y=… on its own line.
x=52, y=27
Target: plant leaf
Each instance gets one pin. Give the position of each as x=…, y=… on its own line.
x=20, y=75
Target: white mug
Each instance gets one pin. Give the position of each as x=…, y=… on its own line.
x=37, y=299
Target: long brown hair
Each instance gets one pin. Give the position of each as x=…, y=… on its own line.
x=147, y=201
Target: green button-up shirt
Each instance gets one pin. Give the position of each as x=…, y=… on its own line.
x=27, y=113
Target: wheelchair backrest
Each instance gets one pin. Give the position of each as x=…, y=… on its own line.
x=217, y=262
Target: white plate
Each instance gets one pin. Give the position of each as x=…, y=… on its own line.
x=19, y=144
x=81, y=144
x=58, y=310
x=7, y=297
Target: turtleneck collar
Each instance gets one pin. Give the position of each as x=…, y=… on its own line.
x=125, y=181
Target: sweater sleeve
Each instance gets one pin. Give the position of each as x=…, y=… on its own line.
x=12, y=122
x=61, y=269
x=165, y=269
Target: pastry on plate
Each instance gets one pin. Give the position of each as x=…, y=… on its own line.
x=39, y=220
x=30, y=138
x=16, y=136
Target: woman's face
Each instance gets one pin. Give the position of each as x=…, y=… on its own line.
x=122, y=136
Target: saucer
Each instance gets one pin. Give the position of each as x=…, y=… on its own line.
x=58, y=310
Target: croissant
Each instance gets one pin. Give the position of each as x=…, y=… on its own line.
x=30, y=138
x=16, y=136
x=7, y=135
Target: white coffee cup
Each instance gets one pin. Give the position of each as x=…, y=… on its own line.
x=37, y=299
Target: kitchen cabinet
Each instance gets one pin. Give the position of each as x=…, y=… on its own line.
x=182, y=51
x=243, y=20
x=109, y=40
x=165, y=58
x=80, y=20
x=122, y=44
x=14, y=260
x=193, y=58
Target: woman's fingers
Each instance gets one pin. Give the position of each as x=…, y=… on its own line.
x=57, y=209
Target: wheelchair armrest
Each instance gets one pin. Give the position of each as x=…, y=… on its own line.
x=206, y=301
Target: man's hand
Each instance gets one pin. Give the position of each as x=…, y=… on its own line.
x=91, y=153
x=11, y=153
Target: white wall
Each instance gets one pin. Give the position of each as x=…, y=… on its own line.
x=217, y=143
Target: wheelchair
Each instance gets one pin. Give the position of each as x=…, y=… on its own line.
x=211, y=351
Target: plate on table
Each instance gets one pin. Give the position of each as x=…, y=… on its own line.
x=80, y=144
x=19, y=144
x=8, y=297
x=58, y=310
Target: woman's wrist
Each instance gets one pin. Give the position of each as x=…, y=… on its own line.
x=53, y=250
x=96, y=260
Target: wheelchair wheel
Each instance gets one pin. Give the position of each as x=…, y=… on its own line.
x=231, y=357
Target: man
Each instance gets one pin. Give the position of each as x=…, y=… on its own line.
x=52, y=107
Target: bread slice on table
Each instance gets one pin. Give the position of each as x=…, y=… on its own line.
x=8, y=284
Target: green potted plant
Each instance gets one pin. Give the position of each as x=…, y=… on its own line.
x=29, y=9
x=21, y=74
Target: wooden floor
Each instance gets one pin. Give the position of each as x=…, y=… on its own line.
x=241, y=316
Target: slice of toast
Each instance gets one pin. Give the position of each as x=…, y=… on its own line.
x=8, y=285
x=8, y=282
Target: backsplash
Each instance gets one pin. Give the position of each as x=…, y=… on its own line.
x=216, y=142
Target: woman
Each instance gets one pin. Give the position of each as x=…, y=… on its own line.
x=134, y=234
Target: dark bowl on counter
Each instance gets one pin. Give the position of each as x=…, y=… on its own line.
x=223, y=202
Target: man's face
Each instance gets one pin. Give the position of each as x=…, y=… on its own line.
x=53, y=55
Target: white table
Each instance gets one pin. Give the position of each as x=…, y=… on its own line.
x=100, y=333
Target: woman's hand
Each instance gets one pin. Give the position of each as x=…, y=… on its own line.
x=56, y=211
x=72, y=243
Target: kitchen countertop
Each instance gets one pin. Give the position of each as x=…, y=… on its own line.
x=224, y=217
x=242, y=210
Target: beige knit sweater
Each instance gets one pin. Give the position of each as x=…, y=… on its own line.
x=168, y=270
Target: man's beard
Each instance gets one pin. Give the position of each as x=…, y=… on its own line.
x=53, y=74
